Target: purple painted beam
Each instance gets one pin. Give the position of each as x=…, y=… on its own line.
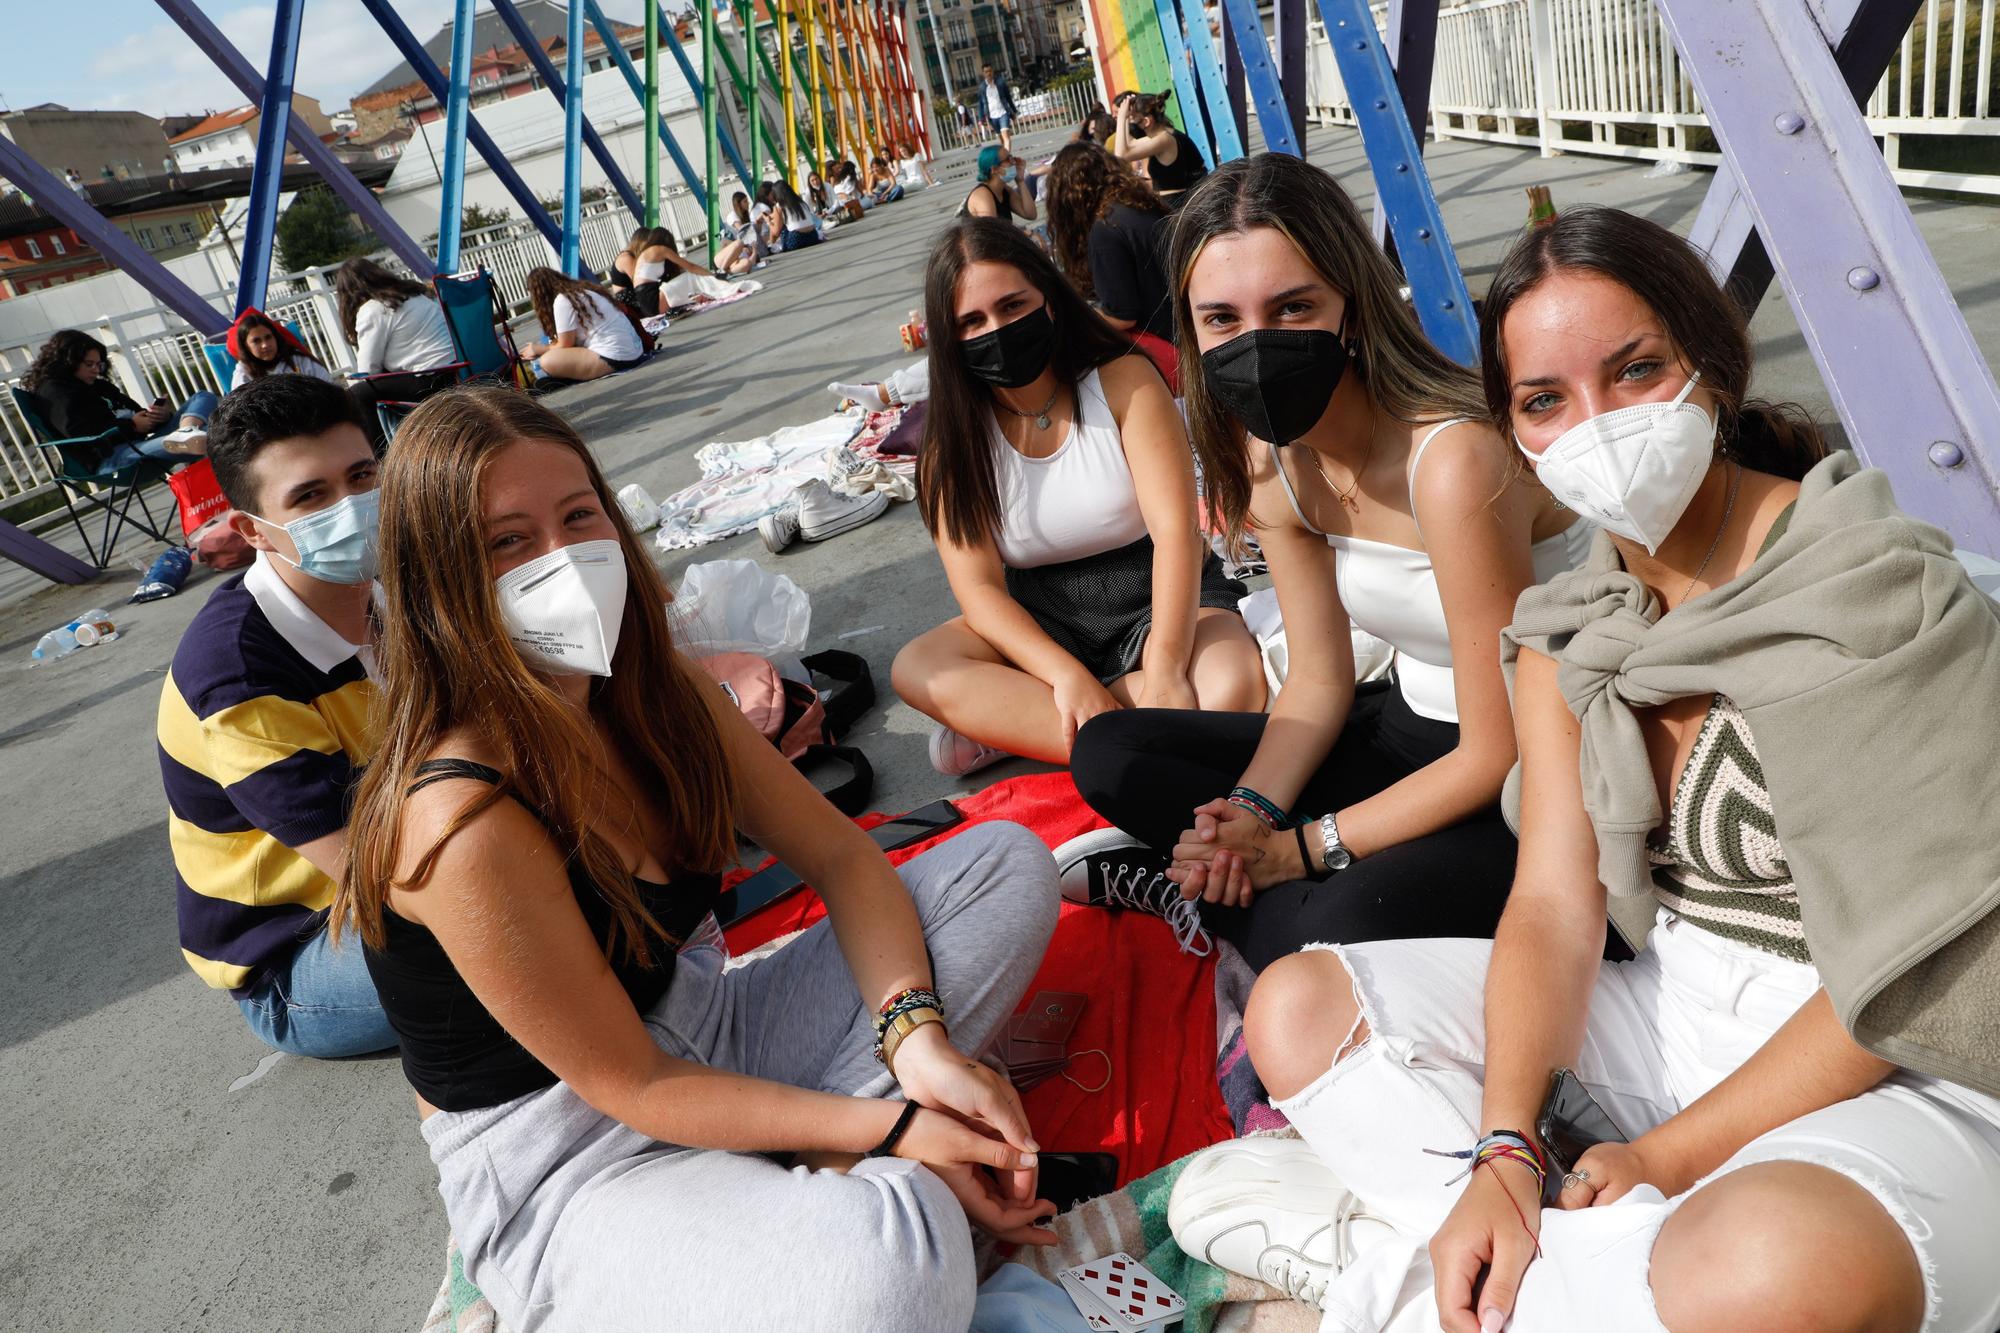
x=1863, y=35
x=76, y=213
x=332, y=170
x=545, y=67
x=1917, y=398
x=51, y=562
x=1289, y=18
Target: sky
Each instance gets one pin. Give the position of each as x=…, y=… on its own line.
x=132, y=57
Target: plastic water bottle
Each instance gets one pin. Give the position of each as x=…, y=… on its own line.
x=56, y=643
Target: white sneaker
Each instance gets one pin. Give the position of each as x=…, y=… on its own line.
x=779, y=530
x=1268, y=1208
x=825, y=512
x=954, y=755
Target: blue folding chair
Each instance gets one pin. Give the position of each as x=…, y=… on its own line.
x=471, y=307
x=82, y=464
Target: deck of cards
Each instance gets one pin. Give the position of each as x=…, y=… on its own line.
x=1119, y=1292
x=1038, y=1037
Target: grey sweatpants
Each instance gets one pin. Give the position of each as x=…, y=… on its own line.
x=569, y=1220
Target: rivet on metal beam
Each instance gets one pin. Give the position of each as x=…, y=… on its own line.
x=1449, y=304
x=1423, y=233
x=1381, y=104
x=1946, y=454
x=1863, y=279
x=1360, y=44
x=1402, y=167
x=1790, y=122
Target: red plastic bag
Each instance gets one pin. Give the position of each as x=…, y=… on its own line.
x=199, y=495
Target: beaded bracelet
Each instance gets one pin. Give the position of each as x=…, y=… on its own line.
x=903, y=1002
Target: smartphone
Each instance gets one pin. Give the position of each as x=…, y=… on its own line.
x=1571, y=1122
x=1067, y=1179
x=777, y=880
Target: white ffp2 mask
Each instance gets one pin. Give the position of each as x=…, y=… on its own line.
x=564, y=609
x=1633, y=471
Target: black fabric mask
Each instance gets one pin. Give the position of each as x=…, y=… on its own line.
x=1277, y=382
x=1013, y=354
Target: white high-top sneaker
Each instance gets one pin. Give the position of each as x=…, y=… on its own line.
x=1268, y=1208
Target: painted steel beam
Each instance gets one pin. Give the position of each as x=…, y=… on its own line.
x=1186, y=92
x=1864, y=35
x=332, y=170
x=560, y=86
x=1232, y=87
x=1412, y=39
x=1246, y=32
x=711, y=97
x=419, y=60
x=458, y=105
x=648, y=93
x=51, y=562
x=1214, y=93
x=1290, y=20
x=260, y=223
x=573, y=138
x=56, y=199
x=1917, y=398
x=1437, y=287
x=695, y=86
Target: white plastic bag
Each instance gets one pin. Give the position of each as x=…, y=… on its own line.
x=641, y=511
x=738, y=606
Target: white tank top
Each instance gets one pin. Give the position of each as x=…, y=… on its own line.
x=1391, y=591
x=648, y=271
x=1078, y=501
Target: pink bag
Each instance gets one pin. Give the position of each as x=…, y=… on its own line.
x=218, y=545
x=796, y=719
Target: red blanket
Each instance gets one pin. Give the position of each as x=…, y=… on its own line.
x=1151, y=1009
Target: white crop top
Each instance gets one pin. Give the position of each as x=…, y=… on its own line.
x=1391, y=591
x=1079, y=501
x=648, y=270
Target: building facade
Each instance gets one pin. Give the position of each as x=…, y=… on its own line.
x=96, y=145
x=229, y=138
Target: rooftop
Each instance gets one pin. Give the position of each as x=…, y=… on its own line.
x=547, y=19
x=215, y=123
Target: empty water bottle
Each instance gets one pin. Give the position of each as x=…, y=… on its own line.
x=56, y=643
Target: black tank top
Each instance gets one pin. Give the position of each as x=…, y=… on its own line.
x=456, y=1054
x=1186, y=170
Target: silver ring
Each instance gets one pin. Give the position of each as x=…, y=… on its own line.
x=1576, y=1178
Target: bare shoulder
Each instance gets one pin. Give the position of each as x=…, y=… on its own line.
x=1124, y=378
x=1466, y=467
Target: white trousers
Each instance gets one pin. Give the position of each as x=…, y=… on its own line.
x=1663, y=1029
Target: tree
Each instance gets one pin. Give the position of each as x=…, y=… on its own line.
x=318, y=229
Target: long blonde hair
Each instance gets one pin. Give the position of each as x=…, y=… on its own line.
x=1405, y=375
x=446, y=664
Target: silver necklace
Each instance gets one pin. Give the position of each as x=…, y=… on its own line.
x=1041, y=418
x=1735, y=480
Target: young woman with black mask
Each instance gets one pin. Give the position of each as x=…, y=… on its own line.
x=1056, y=480
x=1144, y=136
x=1361, y=459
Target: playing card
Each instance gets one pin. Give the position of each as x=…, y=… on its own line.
x=1086, y=1304
x=1129, y=1290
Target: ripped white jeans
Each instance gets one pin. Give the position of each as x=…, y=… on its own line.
x=1663, y=1029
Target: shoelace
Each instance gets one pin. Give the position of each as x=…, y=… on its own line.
x=1129, y=885
x=1300, y=1286
x=1275, y=1266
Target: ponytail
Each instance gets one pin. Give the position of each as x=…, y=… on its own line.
x=1778, y=438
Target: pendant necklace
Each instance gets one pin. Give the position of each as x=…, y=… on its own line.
x=1735, y=480
x=1345, y=497
x=1041, y=418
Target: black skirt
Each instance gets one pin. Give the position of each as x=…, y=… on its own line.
x=1099, y=609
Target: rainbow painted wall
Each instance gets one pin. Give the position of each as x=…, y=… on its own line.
x=1130, y=52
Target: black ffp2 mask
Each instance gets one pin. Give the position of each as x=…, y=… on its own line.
x=1277, y=382
x=1013, y=354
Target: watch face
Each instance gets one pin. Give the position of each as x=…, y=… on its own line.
x=1339, y=859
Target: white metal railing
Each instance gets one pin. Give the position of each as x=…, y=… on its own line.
x=1055, y=108
x=1602, y=77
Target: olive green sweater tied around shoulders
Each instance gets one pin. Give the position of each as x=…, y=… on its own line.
x=1868, y=669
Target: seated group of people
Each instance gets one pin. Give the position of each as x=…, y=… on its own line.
x=1672, y=802
x=403, y=353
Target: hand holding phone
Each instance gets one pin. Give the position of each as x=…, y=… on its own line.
x=1571, y=1124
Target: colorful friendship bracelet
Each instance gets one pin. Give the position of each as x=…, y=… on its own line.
x=903, y=1002
x=1262, y=806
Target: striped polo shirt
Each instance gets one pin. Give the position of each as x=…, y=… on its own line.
x=263, y=728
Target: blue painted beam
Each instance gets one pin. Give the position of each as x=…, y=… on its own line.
x=1246, y=36
x=617, y=49
x=458, y=105
x=573, y=127
x=560, y=86
x=1214, y=92
x=688, y=72
x=332, y=170
x=1185, y=90
x=413, y=53
x=1437, y=287
x=54, y=198
x=260, y=224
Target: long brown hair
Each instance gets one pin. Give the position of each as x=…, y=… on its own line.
x=359, y=281
x=1404, y=374
x=1702, y=323
x=1083, y=185
x=546, y=284
x=958, y=488
x=447, y=664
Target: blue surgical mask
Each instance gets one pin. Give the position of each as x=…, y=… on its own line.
x=336, y=544
x=1012, y=175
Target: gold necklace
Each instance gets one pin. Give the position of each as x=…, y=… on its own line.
x=1345, y=497
x=1041, y=418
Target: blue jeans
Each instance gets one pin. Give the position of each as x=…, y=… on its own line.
x=320, y=1002
x=200, y=406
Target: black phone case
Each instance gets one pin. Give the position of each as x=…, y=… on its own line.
x=1571, y=1123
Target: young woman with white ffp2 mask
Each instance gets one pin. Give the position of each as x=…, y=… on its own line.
x=552, y=771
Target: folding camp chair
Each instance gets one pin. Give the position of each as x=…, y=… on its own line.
x=75, y=477
x=471, y=305
x=224, y=365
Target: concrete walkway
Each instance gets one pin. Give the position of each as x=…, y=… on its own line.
x=163, y=1170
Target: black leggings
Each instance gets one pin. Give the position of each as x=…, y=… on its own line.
x=411, y=386
x=1146, y=769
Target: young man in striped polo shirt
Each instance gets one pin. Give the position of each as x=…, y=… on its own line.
x=264, y=721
